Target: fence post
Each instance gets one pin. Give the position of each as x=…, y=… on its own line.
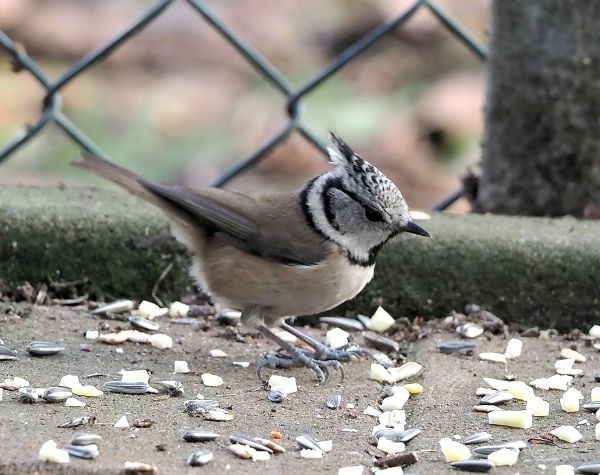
x=541, y=146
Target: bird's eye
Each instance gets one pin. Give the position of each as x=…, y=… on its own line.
x=373, y=215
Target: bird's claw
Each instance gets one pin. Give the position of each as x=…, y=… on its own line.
x=300, y=358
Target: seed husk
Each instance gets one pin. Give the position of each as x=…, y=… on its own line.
x=139, y=467
x=307, y=442
x=473, y=465
x=197, y=407
x=89, y=451
x=84, y=438
x=382, y=343
x=395, y=460
x=486, y=408
x=43, y=348
x=477, y=438
x=118, y=306
x=589, y=468
x=272, y=445
x=275, y=396
x=141, y=323
x=27, y=395
x=56, y=394
x=143, y=423
x=200, y=457
x=469, y=330
x=498, y=397
x=486, y=450
x=242, y=451
x=218, y=415
x=456, y=346
x=198, y=435
x=343, y=322
x=126, y=387
x=172, y=388
x=79, y=421
x=249, y=441
x=408, y=434
x=7, y=354
x=335, y=401
x=592, y=406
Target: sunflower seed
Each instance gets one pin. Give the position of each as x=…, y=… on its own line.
x=200, y=457
x=197, y=407
x=275, y=396
x=455, y=346
x=249, y=441
x=476, y=438
x=56, y=394
x=269, y=443
x=118, y=306
x=199, y=436
x=395, y=435
x=589, y=467
x=408, y=434
x=597, y=377
x=343, y=322
x=79, y=421
x=364, y=320
x=43, y=348
x=473, y=465
x=498, y=397
x=307, y=442
x=7, y=354
x=27, y=395
x=382, y=343
x=592, y=406
x=82, y=451
x=172, y=388
x=486, y=450
x=142, y=323
x=126, y=387
x=333, y=402
x=84, y=438
x=469, y=330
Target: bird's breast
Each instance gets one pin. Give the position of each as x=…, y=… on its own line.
x=238, y=279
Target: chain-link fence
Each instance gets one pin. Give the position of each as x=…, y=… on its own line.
x=51, y=105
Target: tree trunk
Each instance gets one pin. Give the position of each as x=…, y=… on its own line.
x=541, y=153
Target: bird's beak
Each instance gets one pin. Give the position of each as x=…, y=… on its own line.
x=414, y=228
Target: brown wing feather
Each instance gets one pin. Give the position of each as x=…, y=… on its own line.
x=271, y=226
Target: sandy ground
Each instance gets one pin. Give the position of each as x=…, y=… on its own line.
x=443, y=409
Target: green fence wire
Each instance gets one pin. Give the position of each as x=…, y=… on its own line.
x=51, y=105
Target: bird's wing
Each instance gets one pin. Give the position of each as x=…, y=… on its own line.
x=273, y=227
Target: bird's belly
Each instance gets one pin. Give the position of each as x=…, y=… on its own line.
x=239, y=279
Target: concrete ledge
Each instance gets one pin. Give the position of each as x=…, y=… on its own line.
x=107, y=237
x=535, y=271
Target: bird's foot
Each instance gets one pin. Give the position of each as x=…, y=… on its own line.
x=299, y=358
x=322, y=351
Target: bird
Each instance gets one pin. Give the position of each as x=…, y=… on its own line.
x=282, y=255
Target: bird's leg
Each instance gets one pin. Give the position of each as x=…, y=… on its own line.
x=323, y=352
x=296, y=357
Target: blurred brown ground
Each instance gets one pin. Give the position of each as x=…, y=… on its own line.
x=178, y=103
